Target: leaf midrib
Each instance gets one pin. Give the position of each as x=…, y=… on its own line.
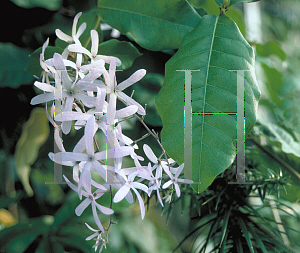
x=208, y=64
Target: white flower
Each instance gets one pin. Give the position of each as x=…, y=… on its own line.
x=75, y=35
x=91, y=158
x=158, y=164
x=78, y=48
x=113, y=88
x=129, y=184
x=175, y=180
x=91, y=199
x=99, y=239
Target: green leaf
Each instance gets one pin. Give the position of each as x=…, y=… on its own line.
x=17, y=238
x=13, y=62
x=145, y=91
x=270, y=48
x=35, y=133
x=75, y=242
x=153, y=24
x=34, y=67
x=273, y=84
x=246, y=234
x=124, y=50
x=288, y=144
x=214, y=47
x=50, y=5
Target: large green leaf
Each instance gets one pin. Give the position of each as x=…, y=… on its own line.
x=13, y=62
x=153, y=24
x=214, y=47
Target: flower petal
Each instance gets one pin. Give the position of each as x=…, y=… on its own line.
x=121, y=193
x=42, y=98
x=130, y=101
x=63, y=36
x=82, y=206
x=95, y=42
x=149, y=153
x=79, y=49
x=89, y=135
x=167, y=184
x=104, y=209
x=126, y=112
x=177, y=189
x=135, y=77
x=141, y=202
x=180, y=168
x=96, y=217
x=70, y=156
x=44, y=86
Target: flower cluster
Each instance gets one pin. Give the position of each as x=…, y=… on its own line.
x=88, y=93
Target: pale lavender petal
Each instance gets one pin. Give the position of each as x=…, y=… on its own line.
x=75, y=23
x=131, y=101
x=68, y=104
x=119, y=152
x=67, y=116
x=86, y=178
x=80, y=146
x=91, y=236
x=104, y=209
x=101, y=94
x=44, y=86
x=126, y=112
x=111, y=109
x=180, y=168
x=99, y=168
x=108, y=59
x=70, y=156
x=121, y=193
x=96, y=217
x=66, y=127
x=90, y=228
x=135, y=77
x=82, y=206
x=177, y=189
x=89, y=134
x=132, y=175
x=159, y=198
x=63, y=36
x=87, y=100
x=86, y=85
x=129, y=197
x=149, y=153
x=42, y=98
x=167, y=184
x=71, y=185
x=140, y=186
x=112, y=70
x=79, y=49
x=95, y=42
x=141, y=202
x=185, y=181
x=81, y=29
